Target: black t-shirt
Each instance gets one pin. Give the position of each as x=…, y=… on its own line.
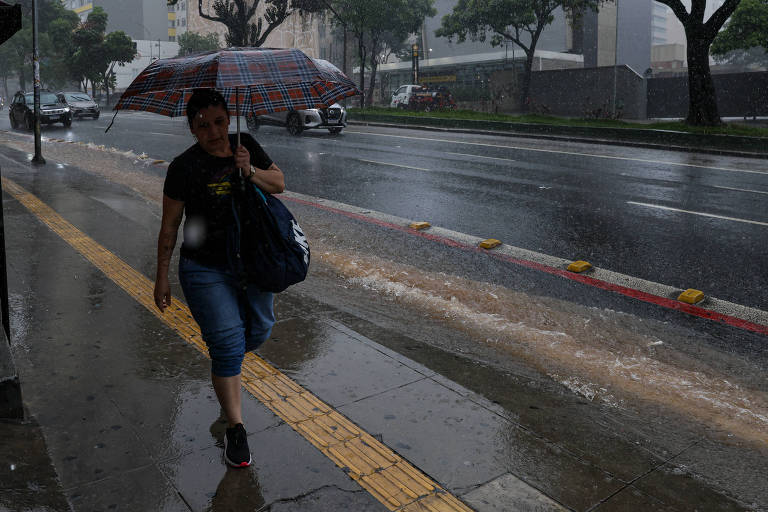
x=202, y=182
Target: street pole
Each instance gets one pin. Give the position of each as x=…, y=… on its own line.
x=616, y=59
x=38, y=158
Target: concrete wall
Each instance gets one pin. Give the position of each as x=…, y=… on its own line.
x=572, y=92
x=738, y=94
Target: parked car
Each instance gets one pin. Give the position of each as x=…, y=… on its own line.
x=21, y=110
x=80, y=103
x=427, y=99
x=334, y=118
x=402, y=95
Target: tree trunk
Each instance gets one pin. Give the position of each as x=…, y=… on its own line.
x=702, y=105
x=344, y=52
x=361, y=52
x=525, y=86
x=372, y=80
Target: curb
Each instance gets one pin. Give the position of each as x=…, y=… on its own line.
x=725, y=145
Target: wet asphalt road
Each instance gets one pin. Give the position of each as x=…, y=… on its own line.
x=606, y=204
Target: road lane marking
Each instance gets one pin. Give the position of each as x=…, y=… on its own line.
x=736, y=315
x=668, y=208
x=393, y=165
x=556, y=151
x=483, y=156
x=742, y=189
x=388, y=477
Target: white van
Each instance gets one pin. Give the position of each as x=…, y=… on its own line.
x=402, y=96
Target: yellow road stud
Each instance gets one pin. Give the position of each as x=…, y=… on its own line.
x=579, y=266
x=419, y=225
x=691, y=296
x=489, y=243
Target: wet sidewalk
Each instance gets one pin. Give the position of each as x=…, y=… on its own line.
x=128, y=419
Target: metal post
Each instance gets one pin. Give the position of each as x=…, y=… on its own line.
x=38, y=158
x=616, y=59
x=4, y=277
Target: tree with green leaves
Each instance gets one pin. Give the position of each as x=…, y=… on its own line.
x=192, y=42
x=699, y=35
x=117, y=50
x=237, y=16
x=745, y=37
x=518, y=21
x=377, y=25
x=88, y=39
x=55, y=25
x=96, y=53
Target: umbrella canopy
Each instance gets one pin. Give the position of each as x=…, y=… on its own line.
x=252, y=80
x=332, y=74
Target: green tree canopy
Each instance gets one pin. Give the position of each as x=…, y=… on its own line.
x=377, y=26
x=97, y=53
x=192, y=42
x=518, y=21
x=747, y=29
x=55, y=25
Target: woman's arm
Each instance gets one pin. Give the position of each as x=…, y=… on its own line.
x=172, y=214
x=269, y=180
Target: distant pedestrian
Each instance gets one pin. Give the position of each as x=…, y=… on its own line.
x=234, y=318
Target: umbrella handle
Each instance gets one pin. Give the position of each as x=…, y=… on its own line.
x=237, y=115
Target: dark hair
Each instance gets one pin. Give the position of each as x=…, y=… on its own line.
x=203, y=98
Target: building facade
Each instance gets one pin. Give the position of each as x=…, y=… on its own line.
x=139, y=19
x=298, y=31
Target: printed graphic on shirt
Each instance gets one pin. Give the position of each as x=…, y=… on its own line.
x=220, y=184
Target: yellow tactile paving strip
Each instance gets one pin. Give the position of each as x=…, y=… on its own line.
x=387, y=476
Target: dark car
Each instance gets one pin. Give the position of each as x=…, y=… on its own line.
x=80, y=103
x=21, y=111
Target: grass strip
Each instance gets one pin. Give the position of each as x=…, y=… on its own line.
x=732, y=128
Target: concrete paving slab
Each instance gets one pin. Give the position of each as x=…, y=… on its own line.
x=284, y=469
x=464, y=445
x=337, y=368
x=28, y=479
x=510, y=493
x=680, y=487
x=590, y=432
x=631, y=499
x=387, y=352
x=144, y=488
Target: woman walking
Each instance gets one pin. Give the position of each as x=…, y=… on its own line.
x=198, y=186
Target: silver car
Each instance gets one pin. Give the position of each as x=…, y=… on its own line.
x=333, y=118
x=80, y=103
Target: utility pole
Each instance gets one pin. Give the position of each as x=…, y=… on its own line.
x=38, y=158
x=616, y=59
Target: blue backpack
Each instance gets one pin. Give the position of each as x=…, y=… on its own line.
x=267, y=246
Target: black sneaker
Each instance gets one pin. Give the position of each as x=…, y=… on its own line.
x=236, y=452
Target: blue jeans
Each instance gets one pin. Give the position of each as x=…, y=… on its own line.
x=232, y=322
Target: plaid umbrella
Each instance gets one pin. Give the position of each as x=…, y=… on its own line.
x=252, y=80
x=333, y=75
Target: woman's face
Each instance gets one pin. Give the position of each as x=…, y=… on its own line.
x=211, y=127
